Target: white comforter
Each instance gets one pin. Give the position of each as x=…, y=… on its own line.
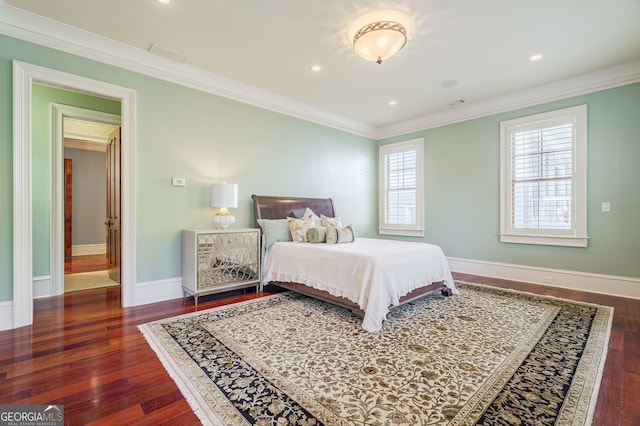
x=372, y=273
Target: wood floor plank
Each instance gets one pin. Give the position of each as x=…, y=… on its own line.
x=630, y=405
x=85, y=263
x=610, y=395
x=85, y=352
x=122, y=417
x=632, y=348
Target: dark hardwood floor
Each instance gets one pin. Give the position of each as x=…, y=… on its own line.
x=85, y=352
x=85, y=263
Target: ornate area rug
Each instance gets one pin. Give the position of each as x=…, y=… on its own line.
x=485, y=356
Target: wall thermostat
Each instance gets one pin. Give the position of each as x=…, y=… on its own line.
x=179, y=181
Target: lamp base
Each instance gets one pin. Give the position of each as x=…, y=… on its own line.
x=224, y=220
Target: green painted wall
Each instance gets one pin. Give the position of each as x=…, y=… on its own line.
x=263, y=152
x=42, y=97
x=203, y=138
x=463, y=176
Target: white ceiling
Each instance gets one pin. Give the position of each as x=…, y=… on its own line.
x=479, y=48
x=86, y=130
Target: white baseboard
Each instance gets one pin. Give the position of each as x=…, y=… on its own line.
x=6, y=315
x=42, y=287
x=85, y=249
x=158, y=291
x=147, y=292
x=594, y=283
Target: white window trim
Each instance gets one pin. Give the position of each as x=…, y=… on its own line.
x=577, y=236
x=416, y=230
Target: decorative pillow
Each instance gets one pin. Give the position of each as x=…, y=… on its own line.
x=274, y=230
x=340, y=235
x=332, y=235
x=299, y=228
x=333, y=221
x=317, y=234
x=346, y=235
x=308, y=213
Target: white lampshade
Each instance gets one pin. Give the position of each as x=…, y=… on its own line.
x=379, y=40
x=224, y=195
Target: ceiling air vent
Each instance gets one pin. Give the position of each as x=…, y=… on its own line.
x=168, y=54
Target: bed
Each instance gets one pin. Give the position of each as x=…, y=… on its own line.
x=370, y=277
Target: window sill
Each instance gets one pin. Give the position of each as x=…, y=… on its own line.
x=402, y=232
x=546, y=240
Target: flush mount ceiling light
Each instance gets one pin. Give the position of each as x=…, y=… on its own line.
x=379, y=40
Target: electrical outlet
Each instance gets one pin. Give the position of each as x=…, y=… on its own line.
x=546, y=279
x=606, y=206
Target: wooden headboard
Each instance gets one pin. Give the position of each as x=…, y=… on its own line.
x=270, y=207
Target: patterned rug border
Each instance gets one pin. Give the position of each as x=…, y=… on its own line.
x=221, y=416
x=188, y=390
x=603, y=322
x=534, y=295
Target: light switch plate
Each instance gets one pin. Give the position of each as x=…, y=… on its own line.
x=178, y=181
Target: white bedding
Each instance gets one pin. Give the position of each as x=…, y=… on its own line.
x=372, y=273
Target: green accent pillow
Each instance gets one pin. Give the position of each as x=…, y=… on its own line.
x=274, y=230
x=317, y=234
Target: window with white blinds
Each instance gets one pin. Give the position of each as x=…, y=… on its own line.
x=543, y=178
x=401, y=210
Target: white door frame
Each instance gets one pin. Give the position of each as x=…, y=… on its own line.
x=24, y=75
x=58, y=113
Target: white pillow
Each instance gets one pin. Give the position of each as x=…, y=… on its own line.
x=336, y=222
x=308, y=213
x=340, y=235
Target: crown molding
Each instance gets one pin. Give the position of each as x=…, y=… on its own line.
x=37, y=29
x=599, y=80
x=86, y=145
x=46, y=32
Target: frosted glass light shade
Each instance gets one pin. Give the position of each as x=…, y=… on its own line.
x=380, y=40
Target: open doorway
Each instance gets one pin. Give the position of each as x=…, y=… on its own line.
x=91, y=180
x=24, y=76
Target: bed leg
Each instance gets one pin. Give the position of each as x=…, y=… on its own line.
x=447, y=292
x=358, y=312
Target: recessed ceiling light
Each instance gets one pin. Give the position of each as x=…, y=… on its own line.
x=164, y=1
x=315, y=68
x=449, y=83
x=535, y=58
x=393, y=103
